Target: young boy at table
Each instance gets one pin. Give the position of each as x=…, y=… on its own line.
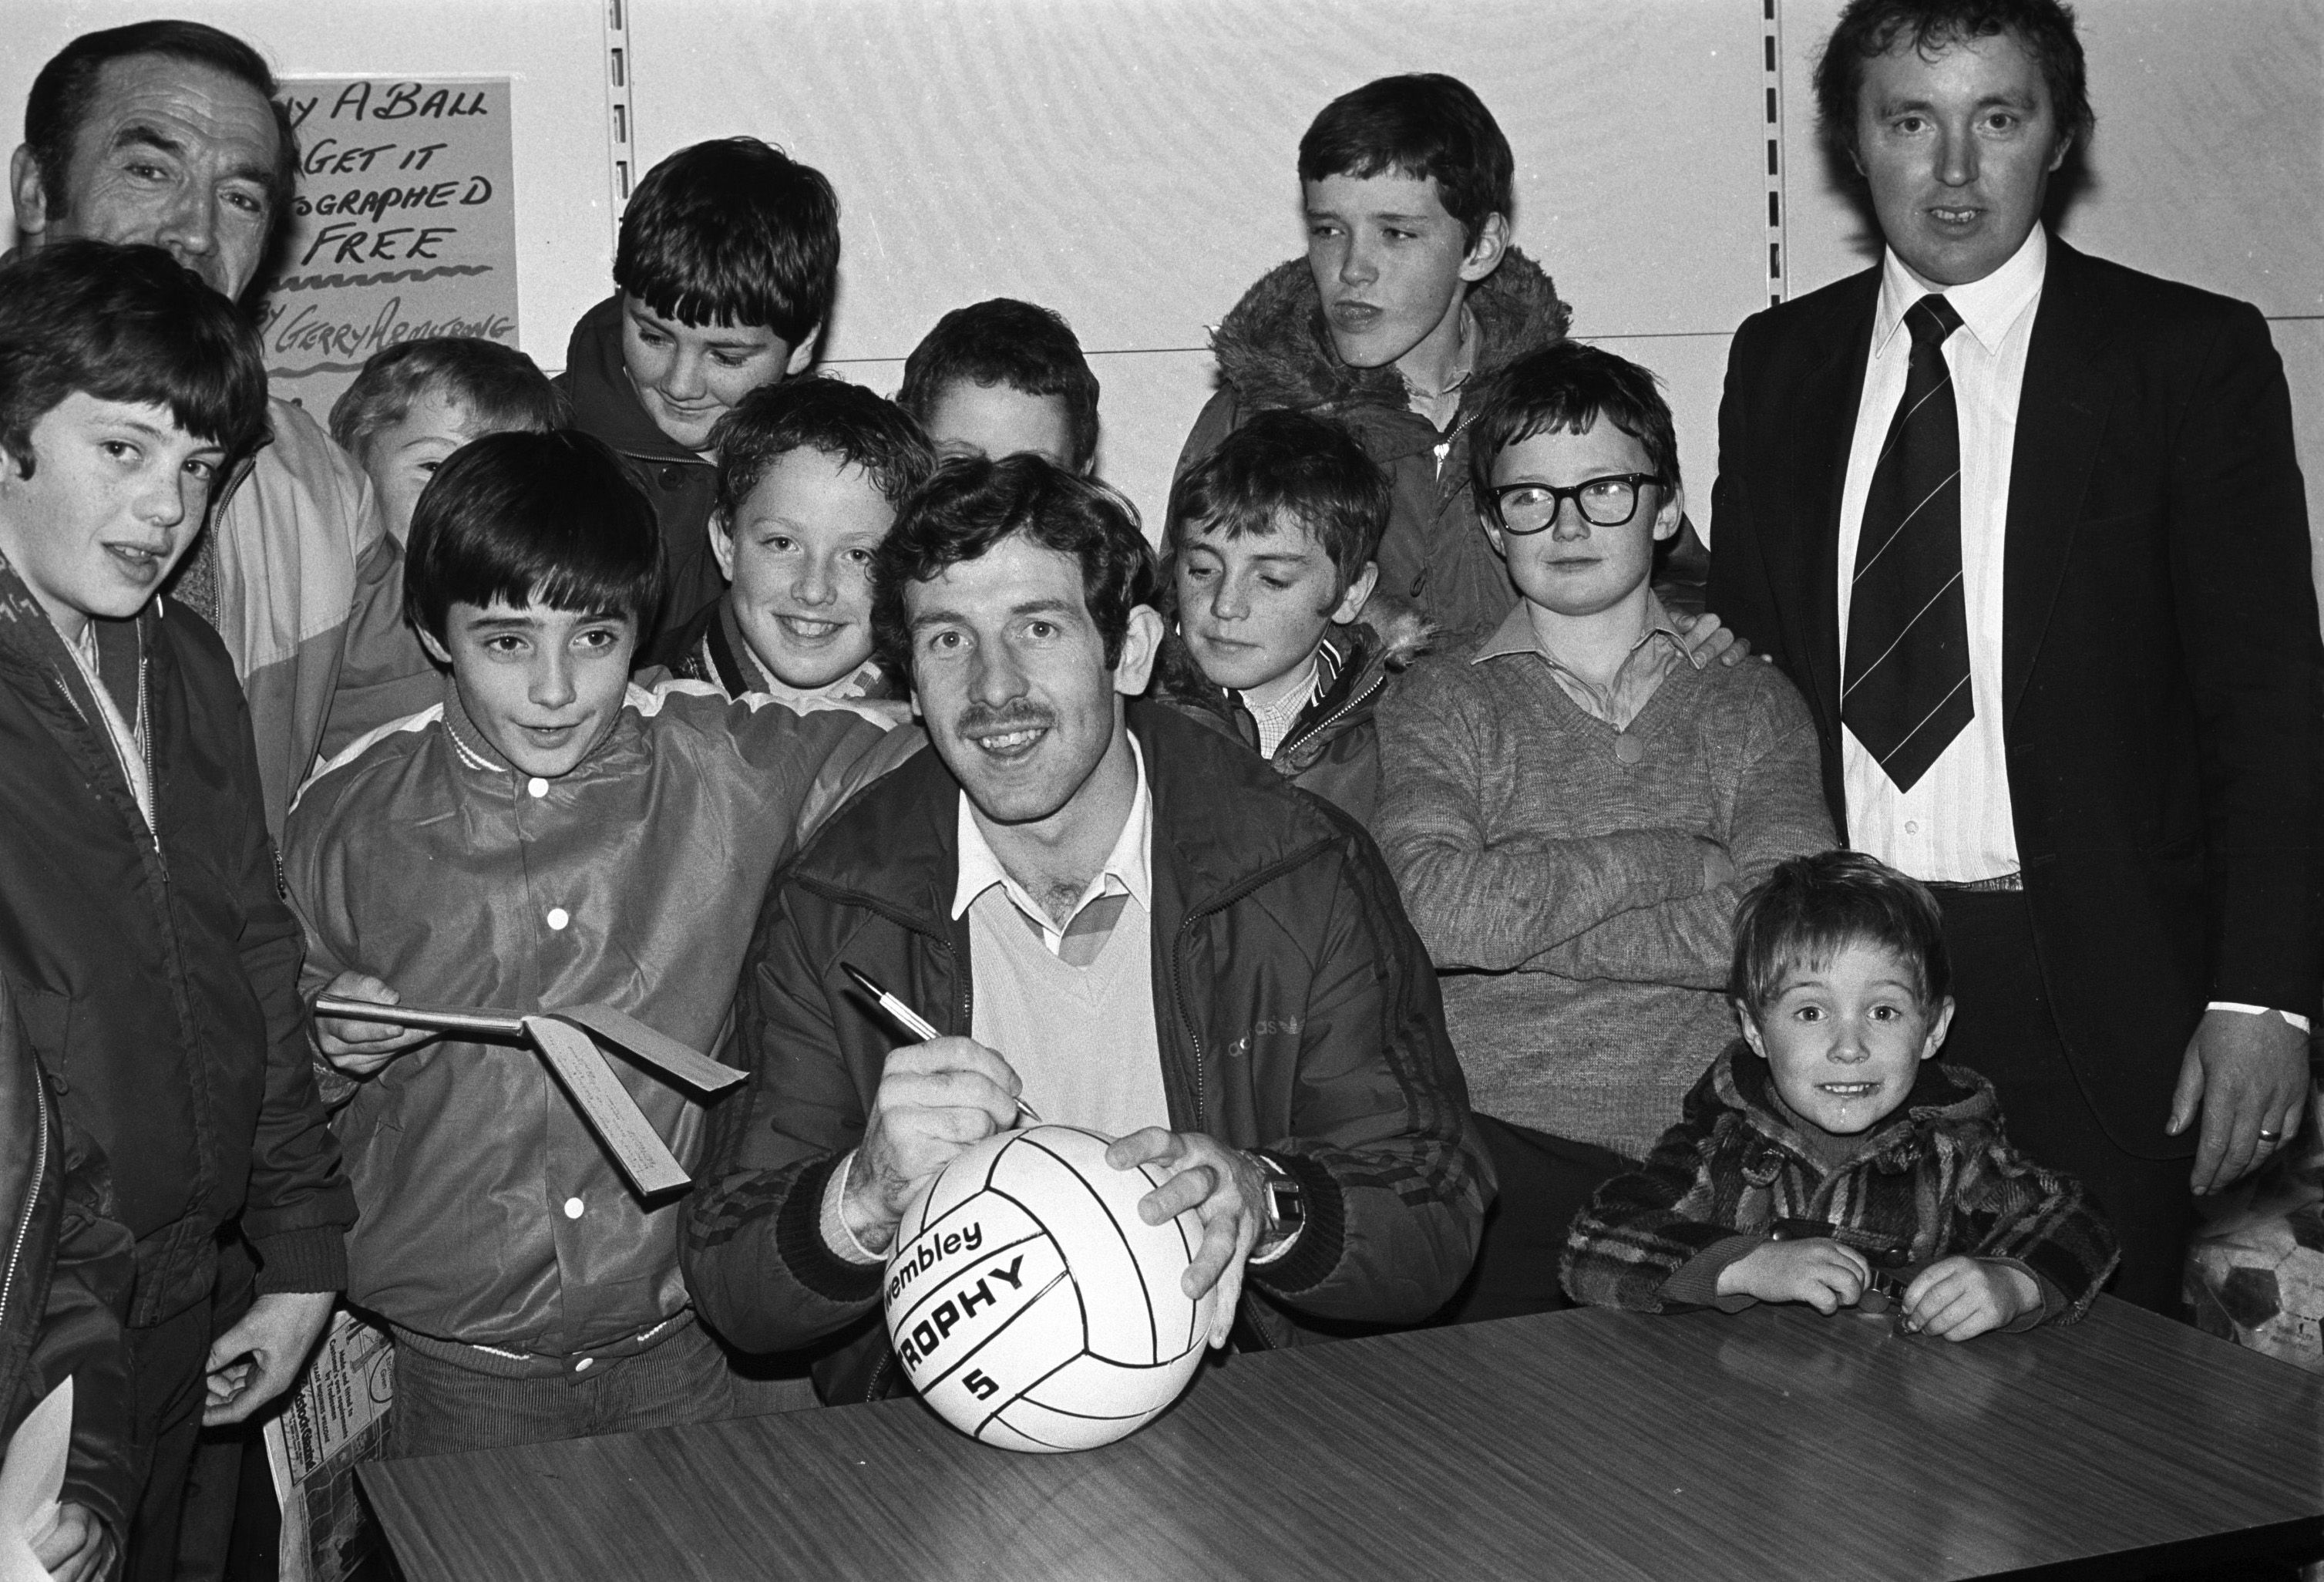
x=549, y=833
x=810, y=473
x=1003, y=378
x=724, y=270
x=1268, y=563
x=418, y=401
x=1826, y=1153
x=1574, y=806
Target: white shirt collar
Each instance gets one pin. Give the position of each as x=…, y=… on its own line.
x=1126, y=871
x=1987, y=307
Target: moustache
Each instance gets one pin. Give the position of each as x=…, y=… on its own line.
x=981, y=717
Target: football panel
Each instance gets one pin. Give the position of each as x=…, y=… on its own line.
x=965, y=1383
x=1097, y=1230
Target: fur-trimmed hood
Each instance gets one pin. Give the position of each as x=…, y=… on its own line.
x=1364, y=656
x=1274, y=350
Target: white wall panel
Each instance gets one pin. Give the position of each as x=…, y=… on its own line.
x=1131, y=162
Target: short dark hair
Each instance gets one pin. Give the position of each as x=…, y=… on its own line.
x=1283, y=463
x=732, y=231
x=1869, y=29
x=1428, y=126
x=1811, y=908
x=554, y=519
x=498, y=384
x=60, y=96
x=1028, y=348
x=973, y=503
x=1568, y=388
x=124, y=324
x=845, y=421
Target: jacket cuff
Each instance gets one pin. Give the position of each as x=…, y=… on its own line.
x=302, y=1260
x=1696, y=1282
x=1321, y=1239
x=799, y=1244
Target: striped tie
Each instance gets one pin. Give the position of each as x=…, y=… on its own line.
x=1906, y=694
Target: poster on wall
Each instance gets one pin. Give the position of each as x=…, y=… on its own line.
x=404, y=225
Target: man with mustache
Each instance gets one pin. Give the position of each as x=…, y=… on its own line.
x=1111, y=912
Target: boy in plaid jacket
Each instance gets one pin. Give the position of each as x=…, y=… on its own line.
x=1826, y=1154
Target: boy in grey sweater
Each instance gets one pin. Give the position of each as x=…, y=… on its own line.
x=1573, y=810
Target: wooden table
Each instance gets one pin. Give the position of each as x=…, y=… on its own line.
x=1772, y=1444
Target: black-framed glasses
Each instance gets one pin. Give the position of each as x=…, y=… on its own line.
x=1604, y=501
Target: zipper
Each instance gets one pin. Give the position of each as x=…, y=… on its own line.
x=33, y=1197
x=153, y=786
x=1328, y=721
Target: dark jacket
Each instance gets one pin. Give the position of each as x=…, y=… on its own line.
x=682, y=486
x=1298, y=1012
x=1274, y=351
x=157, y=973
x=1936, y=1179
x=64, y=1282
x=1332, y=749
x=2159, y=663
x=710, y=648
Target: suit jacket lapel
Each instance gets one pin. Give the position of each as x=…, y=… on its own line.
x=1823, y=429
x=2061, y=412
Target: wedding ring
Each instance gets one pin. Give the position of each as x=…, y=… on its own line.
x=2267, y=1136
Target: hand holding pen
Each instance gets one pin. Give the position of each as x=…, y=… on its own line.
x=910, y=1021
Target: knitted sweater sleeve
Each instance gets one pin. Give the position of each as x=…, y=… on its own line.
x=1774, y=809
x=1499, y=903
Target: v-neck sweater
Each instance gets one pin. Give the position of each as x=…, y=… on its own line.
x=1555, y=867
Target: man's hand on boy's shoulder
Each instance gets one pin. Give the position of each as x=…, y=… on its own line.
x=1956, y=1298
x=1707, y=639
x=1818, y=1271
x=359, y=1048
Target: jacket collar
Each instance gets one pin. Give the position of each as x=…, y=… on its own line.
x=604, y=401
x=1221, y=821
x=1274, y=350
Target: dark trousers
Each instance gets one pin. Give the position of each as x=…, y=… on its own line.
x=1545, y=1180
x=2003, y=1027
x=166, y=1373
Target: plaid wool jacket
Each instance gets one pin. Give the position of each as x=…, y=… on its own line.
x=1936, y=1179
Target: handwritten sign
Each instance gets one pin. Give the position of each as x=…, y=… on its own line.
x=404, y=225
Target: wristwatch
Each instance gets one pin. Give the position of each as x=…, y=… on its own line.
x=1285, y=1200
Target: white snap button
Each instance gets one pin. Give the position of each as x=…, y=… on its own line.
x=559, y=917
x=536, y=786
x=583, y=1365
x=573, y=1207
x=1912, y=828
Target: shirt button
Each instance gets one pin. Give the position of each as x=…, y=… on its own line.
x=573, y=1207
x=536, y=786
x=1912, y=827
x=559, y=917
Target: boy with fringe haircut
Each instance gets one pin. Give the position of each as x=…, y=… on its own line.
x=1826, y=1157
x=1267, y=561
x=1004, y=378
x=549, y=833
x=723, y=273
x=417, y=401
x=810, y=475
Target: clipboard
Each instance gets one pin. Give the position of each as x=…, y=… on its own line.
x=572, y=1041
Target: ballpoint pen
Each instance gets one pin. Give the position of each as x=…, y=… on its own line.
x=909, y=1019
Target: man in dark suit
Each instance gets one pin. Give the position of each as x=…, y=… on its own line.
x=2027, y=530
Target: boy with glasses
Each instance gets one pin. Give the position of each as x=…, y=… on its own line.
x=1573, y=808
